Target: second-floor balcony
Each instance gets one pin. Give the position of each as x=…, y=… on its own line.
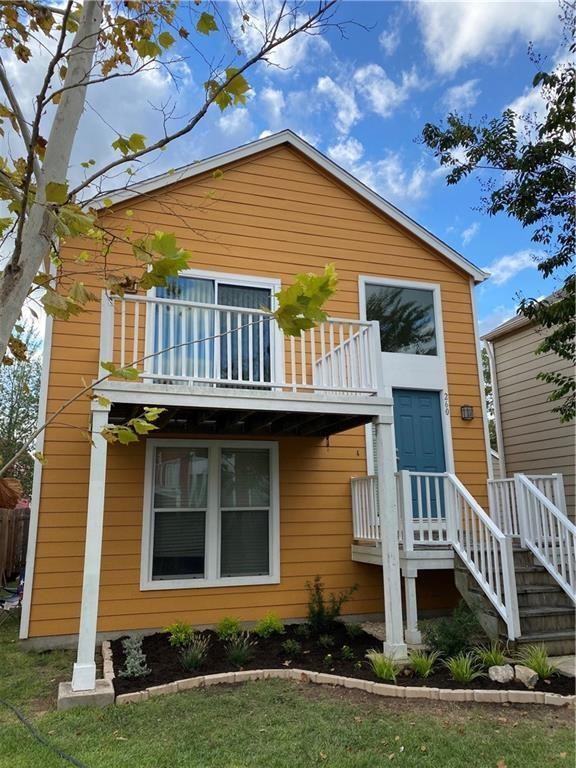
x=204, y=353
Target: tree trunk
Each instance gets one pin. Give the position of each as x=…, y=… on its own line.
x=39, y=228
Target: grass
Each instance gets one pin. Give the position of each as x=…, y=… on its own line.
x=273, y=723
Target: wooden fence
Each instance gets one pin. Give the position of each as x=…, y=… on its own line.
x=14, y=524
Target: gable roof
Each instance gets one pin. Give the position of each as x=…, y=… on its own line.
x=289, y=138
x=509, y=326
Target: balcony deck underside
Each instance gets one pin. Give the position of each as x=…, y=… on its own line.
x=196, y=410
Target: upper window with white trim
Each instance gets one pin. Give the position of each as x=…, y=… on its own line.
x=406, y=316
x=212, y=514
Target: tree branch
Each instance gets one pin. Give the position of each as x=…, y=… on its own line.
x=268, y=46
x=19, y=115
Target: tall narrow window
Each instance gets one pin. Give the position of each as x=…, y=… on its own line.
x=406, y=316
x=180, y=503
x=244, y=512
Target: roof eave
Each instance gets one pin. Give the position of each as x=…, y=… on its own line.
x=290, y=138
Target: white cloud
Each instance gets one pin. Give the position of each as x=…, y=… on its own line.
x=393, y=181
x=236, y=122
x=470, y=232
x=462, y=96
x=457, y=33
x=382, y=93
x=274, y=104
x=506, y=267
x=389, y=38
x=347, y=112
x=496, y=317
x=346, y=152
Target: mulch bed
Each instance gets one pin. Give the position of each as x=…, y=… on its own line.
x=269, y=654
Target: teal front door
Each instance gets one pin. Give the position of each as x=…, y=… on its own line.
x=420, y=442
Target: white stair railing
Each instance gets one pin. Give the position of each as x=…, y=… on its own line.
x=423, y=504
x=365, y=517
x=503, y=502
x=502, y=505
x=548, y=533
x=485, y=550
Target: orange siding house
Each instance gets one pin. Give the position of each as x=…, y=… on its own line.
x=276, y=459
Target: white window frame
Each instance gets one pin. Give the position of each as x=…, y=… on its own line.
x=212, y=548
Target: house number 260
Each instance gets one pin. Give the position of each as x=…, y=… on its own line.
x=446, y=404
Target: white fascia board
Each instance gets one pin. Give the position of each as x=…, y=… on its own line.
x=287, y=137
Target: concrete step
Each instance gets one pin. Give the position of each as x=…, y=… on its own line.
x=558, y=643
x=534, y=595
x=546, y=619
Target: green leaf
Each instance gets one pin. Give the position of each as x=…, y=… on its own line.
x=151, y=414
x=147, y=49
x=103, y=401
x=56, y=193
x=39, y=456
x=206, y=24
x=166, y=40
x=128, y=373
x=300, y=306
x=4, y=224
x=141, y=426
x=79, y=293
x=107, y=202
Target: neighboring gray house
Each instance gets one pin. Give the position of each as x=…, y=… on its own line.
x=531, y=439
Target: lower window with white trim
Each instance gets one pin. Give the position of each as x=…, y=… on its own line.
x=211, y=514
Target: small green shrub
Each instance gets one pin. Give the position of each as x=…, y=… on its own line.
x=453, y=634
x=269, y=625
x=384, y=667
x=239, y=649
x=463, y=667
x=423, y=663
x=302, y=630
x=326, y=641
x=322, y=612
x=535, y=657
x=292, y=647
x=180, y=633
x=194, y=653
x=347, y=653
x=328, y=660
x=228, y=627
x=354, y=630
x=135, y=662
x=490, y=655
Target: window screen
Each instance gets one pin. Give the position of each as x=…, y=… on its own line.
x=244, y=512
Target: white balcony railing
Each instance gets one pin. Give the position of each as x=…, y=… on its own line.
x=184, y=342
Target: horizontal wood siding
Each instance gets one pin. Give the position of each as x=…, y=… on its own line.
x=271, y=215
x=535, y=440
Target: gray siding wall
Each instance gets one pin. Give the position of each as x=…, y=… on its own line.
x=535, y=441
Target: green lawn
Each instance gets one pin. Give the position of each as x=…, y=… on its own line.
x=268, y=724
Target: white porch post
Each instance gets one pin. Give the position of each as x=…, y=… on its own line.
x=413, y=635
x=386, y=480
x=84, y=674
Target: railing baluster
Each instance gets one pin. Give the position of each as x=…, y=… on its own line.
x=313, y=354
x=293, y=363
x=122, y=334
x=136, y=339
x=172, y=339
x=303, y=358
x=250, y=332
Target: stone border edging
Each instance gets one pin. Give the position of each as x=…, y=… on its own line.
x=107, y=662
x=379, y=689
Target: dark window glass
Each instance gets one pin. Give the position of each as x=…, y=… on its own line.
x=406, y=317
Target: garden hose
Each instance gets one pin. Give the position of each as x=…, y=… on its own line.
x=42, y=739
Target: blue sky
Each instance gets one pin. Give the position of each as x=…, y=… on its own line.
x=363, y=100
